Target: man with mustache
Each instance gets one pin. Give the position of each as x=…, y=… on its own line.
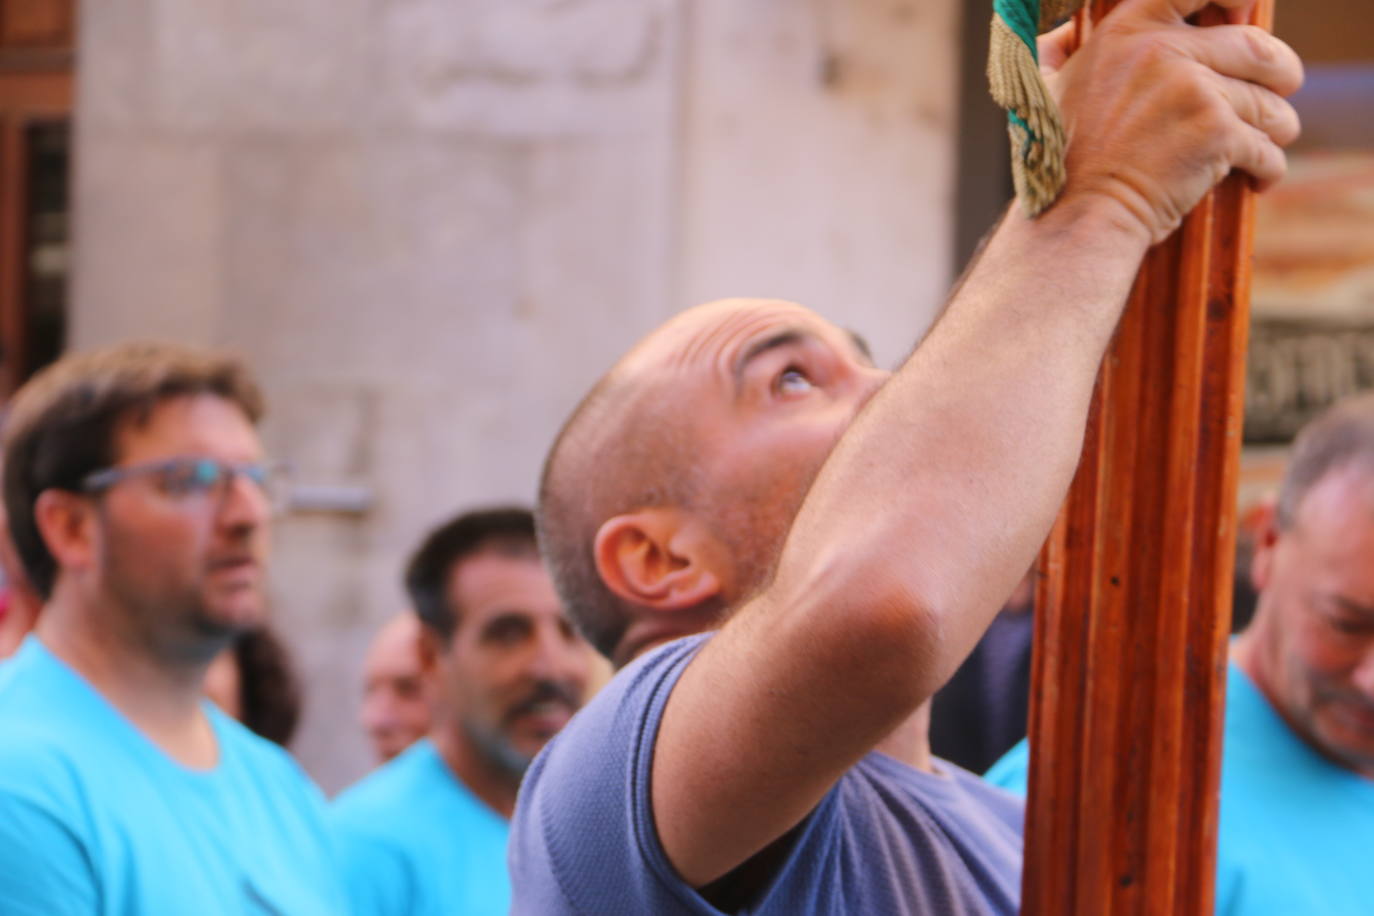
x=426, y=833
x=1297, y=772
x=139, y=499
x=790, y=550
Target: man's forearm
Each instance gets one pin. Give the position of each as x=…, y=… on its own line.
x=939, y=493
x=943, y=489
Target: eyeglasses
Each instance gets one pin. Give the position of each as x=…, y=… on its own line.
x=190, y=480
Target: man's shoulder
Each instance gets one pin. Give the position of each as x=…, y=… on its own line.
x=371, y=803
x=1008, y=805
x=1264, y=762
x=637, y=691
x=40, y=694
x=44, y=770
x=412, y=838
x=963, y=804
x=620, y=721
x=51, y=748
x=1292, y=825
x=584, y=803
x=402, y=801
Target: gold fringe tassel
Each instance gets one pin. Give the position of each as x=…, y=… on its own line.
x=1038, y=154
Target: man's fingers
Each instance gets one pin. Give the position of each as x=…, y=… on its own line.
x=1263, y=110
x=1254, y=152
x=1055, y=47
x=1243, y=52
x=1238, y=15
x=1175, y=10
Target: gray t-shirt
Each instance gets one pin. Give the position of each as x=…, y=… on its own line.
x=886, y=839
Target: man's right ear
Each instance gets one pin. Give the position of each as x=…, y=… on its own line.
x=1261, y=524
x=66, y=522
x=658, y=557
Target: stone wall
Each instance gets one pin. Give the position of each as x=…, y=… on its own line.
x=430, y=224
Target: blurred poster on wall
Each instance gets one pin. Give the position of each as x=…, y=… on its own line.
x=1312, y=337
x=1312, y=324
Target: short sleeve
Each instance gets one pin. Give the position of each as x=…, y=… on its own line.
x=47, y=869
x=583, y=837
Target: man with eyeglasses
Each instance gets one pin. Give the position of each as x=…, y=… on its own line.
x=139, y=502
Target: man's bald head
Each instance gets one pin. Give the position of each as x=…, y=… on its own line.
x=686, y=420
x=1310, y=646
x=615, y=454
x=396, y=708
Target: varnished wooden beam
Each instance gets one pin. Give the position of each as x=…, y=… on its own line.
x=1134, y=597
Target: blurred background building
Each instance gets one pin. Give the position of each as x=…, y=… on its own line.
x=430, y=224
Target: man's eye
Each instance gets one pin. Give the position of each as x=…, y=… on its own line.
x=187, y=479
x=507, y=632
x=1349, y=627
x=794, y=381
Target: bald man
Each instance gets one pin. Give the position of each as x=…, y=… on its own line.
x=831, y=539
x=397, y=707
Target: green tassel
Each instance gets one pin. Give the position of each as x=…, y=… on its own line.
x=1033, y=122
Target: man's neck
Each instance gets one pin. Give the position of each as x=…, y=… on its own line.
x=493, y=785
x=1248, y=652
x=910, y=741
x=162, y=700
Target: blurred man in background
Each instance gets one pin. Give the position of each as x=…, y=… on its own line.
x=139, y=502
x=426, y=833
x=1297, y=778
x=397, y=708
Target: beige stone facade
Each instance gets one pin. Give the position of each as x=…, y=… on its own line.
x=430, y=224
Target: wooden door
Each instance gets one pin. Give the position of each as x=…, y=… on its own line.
x=36, y=65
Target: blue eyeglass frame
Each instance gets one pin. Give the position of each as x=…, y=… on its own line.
x=205, y=474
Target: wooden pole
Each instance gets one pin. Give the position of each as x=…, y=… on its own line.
x=1134, y=598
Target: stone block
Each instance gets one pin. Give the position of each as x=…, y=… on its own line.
x=147, y=246
x=225, y=66
x=819, y=159
x=527, y=68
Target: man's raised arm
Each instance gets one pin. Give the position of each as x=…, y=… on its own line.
x=940, y=493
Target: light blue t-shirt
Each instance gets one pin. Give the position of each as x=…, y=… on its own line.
x=414, y=840
x=96, y=819
x=886, y=839
x=1295, y=830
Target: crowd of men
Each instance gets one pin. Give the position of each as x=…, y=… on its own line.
x=143, y=503
x=785, y=549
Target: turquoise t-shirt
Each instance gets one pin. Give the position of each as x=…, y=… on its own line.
x=415, y=840
x=96, y=819
x=1294, y=829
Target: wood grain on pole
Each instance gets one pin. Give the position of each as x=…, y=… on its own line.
x=1134, y=598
